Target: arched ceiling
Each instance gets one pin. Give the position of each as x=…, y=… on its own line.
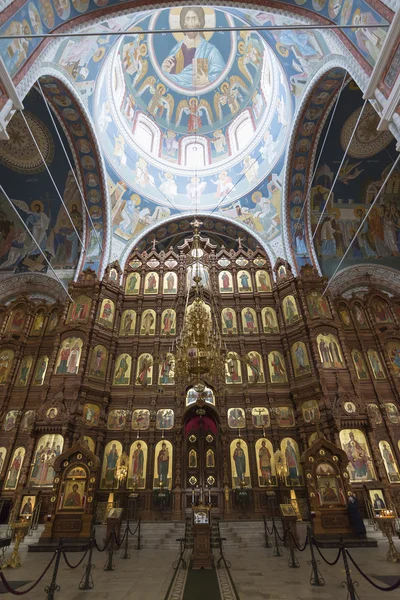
x=194, y=123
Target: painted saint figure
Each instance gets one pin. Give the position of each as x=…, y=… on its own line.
x=239, y=458
x=73, y=499
x=264, y=457
x=137, y=462
x=112, y=459
x=291, y=461
x=163, y=465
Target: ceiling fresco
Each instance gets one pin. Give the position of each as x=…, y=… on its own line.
x=32, y=192
x=369, y=159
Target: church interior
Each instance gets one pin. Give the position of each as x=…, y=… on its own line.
x=200, y=292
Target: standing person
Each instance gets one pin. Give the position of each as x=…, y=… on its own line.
x=355, y=518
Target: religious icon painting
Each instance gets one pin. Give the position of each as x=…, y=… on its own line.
x=225, y=282
x=73, y=496
x=360, y=317
x=210, y=459
x=241, y=261
x=148, y=322
x=260, y=417
x=11, y=420
x=163, y=455
x=200, y=393
x=389, y=461
x=360, y=467
x=6, y=359
x=249, y=320
x=137, y=466
x=265, y=463
x=14, y=469
x=51, y=413
x=376, y=364
x=233, y=368
x=116, y=419
x=79, y=309
x=291, y=459
x=69, y=356
x=151, y=283
x=122, y=373
x=240, y=463
x=165, y=418
x=52, y=322
x=88, y=442
x=16, y=320
x=290, y=311
x=255, y=369
x=310, y=411
x=27, y=420
x=224, y=262
x=91, y=415
x=40, y=370
x=144, y=370
x=113, y=274
x=38, y=323
x=377, y=500
x=106, y=313
x=132, y=284
x=27, y=506
x=170, y=283
x=345, y=316
x=263, y=281
x=259, y=262
x=328, y=491
x=166, y=373
x=375, y=413
x=112, y=453
x=277, y=368
x=350, y=408
x=392, y=412
x=284, y=416
x=329, y=351
x=192, y=459
x=228, y=321
x=269, y=320
x=381, y=311
x=318, y=306
x=393, y=350
x=244, y=282
x=168, y=322
x=170, y=263
x=48, y=448
x=98, y=362
x=236, y=418
x=128, y=323
x=24, y=370
x=140, y=419
x=301, y=364
x=282, y=271
x=359, y=364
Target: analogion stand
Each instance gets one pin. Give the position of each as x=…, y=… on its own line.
x=202, y=556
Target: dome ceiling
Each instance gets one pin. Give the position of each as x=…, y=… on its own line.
x=198, y=120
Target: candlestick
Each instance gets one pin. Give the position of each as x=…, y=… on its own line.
x=209, y=496
x=192, y=495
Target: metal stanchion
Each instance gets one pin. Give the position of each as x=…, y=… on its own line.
x=139, y=537
x=267, y=542
x=349, y=583
x=109, y=566
x=53, y=587
x=293, y=562
x=315, y=577
x=126, y=553
x=87, y=582
x=277, y=550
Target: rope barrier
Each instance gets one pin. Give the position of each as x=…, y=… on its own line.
x=10, y=589
x=106, y=544
x=119, y=543
x=332, y=564
x=137, y=527
x=295, y=543
x=79, y=563
x=284, y=535
x=272, y=528
x=378, y=587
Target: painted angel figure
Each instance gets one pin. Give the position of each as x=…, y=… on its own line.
x=119, y=149
x=250, y=168
x=219, y=141
x=160, y=101
x=251, y=54
x=133, y=53
x=195, y=188
x=37, y=220
x=168, y=186
x=143, y=177
x=232, y=95
x=196, y=110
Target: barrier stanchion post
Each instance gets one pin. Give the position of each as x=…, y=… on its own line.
x=277, y=550
x=87, y=582
x=139, y=537
x=109, y=566
x=267, y=542
x=126, y=553
x=53, y=587
x=315, y=577
x=293, y=562
x=349, y=583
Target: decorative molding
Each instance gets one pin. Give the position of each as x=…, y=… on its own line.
x=31, y=283
x=365, y=275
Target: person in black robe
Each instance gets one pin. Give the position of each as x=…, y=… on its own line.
x=355, y=518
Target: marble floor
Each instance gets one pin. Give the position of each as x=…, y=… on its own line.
x=256, y=573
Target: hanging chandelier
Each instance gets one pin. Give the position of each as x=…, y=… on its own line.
x=200, y=351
